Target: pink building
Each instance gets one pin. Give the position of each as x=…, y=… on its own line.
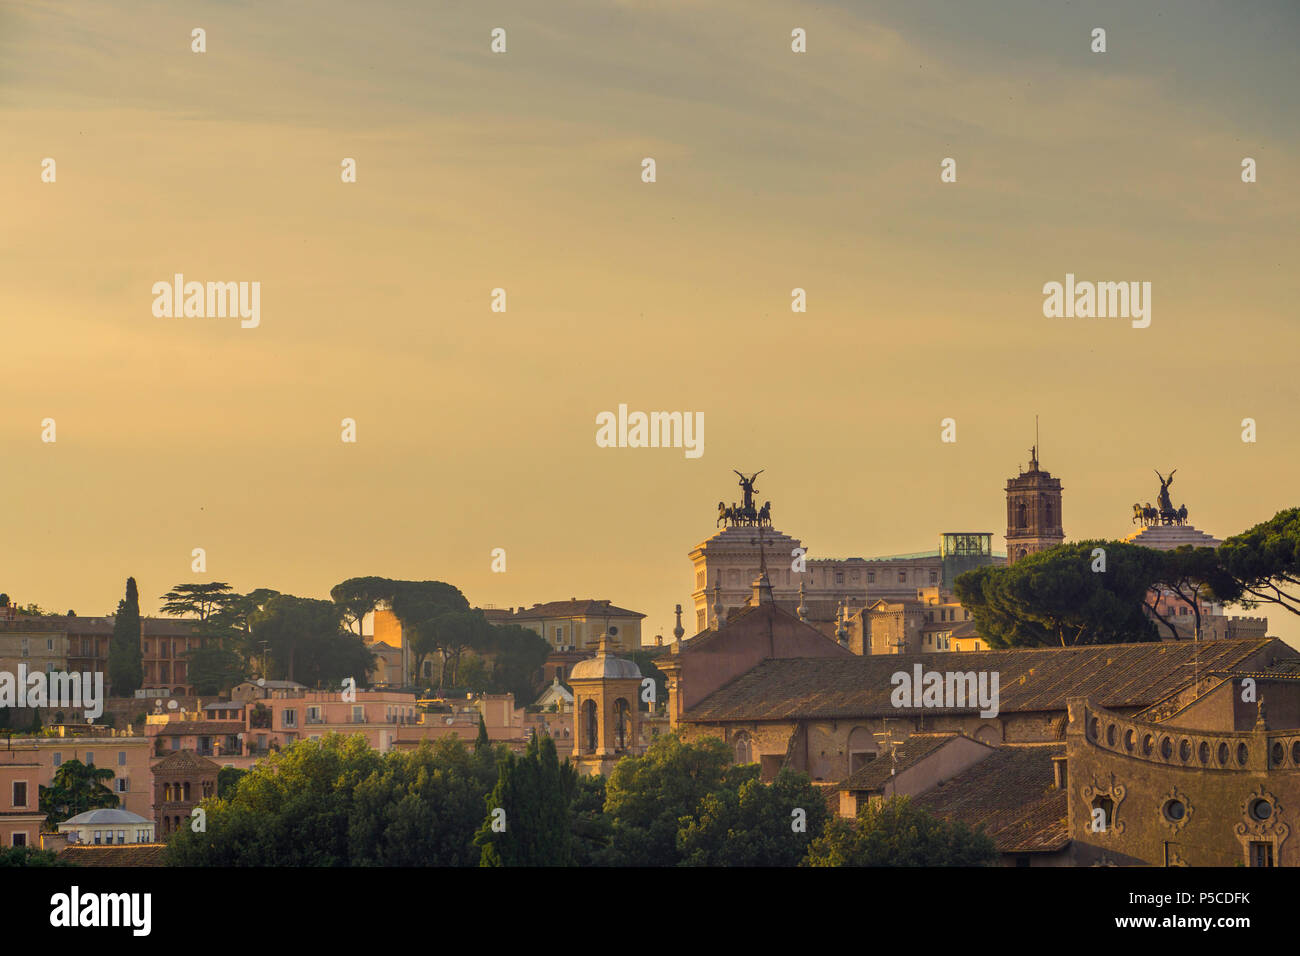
x=29, y=763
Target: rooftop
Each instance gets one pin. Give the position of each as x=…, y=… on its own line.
x=1113, y=675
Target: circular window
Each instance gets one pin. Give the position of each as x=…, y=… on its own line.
x=1094, y=729
x=1261, y=809
x=1185, y=750
x=1128, y=741
x=1147, y=745
x=1223, y=755
x=1295, y=752
x=1203, y=752
x=1278, y=754
x=1110, y=736
x=1242, y=754
x=1166, y=748
x=1175, y=810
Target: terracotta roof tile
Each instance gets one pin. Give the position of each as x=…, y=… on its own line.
x=1011, y=795
x=130, y=854
x=1039, y=679
x=876, y=773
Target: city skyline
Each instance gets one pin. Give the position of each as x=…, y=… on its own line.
x=522, y=171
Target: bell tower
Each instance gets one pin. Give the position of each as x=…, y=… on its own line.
x=607, y=724
x=1033, y=511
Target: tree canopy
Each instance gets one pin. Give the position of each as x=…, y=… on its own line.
x=896, y=832
x=1262, y=564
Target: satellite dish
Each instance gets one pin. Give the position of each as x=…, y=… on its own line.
x=450, y=721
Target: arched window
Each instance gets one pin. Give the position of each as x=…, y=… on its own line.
x=589, y=719
x=622, y=724
x=862, y=748
x=744, y=748
x=1048, y=513
x=1100, y=823
x=1020, y=515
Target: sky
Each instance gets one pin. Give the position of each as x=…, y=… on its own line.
x=522, y=170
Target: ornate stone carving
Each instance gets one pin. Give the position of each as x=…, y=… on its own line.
x=1115, y=791
x=1254, y=830
x=1176, y=825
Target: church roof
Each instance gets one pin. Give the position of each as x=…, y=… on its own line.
x=1011, y=795
x=909, y=753
x=1039, y=679
x=183, y=761
x=587, y=607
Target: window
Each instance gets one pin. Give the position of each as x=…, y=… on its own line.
x=839, y=577
x=49, y=643
x=90, y=757
x=20, y=793
x=141, y=836
x=26, y=648
x=121, y=836
x=289, y=717
x=99, y=837
x=146, y=647
x=358, y=714
x=871, y=577
x=20, y=839
x=121, y=758
x=58, y=759
x=1261, y=854
x=122, y=785
x=934, y=577
x=902, y=577
x=313, y=715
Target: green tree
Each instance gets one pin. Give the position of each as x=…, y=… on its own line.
x=214, y=669
x=1054, y=598
x=307, y=642
x=532, y=792
x=125, y=665
x=197, y=600
x=646, y=797
x=75, y=789
x=896, y=832
x=227, y=780
x=29, y=856
x=517, y=658
x=755, y=825
x=360, y=596
x=1262, y=564
x=1189, y=574
x=338, y=802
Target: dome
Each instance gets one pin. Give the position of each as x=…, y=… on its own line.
x=605, y=667
x=104, y=817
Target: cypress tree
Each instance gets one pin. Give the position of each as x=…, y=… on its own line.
x=531, y=790
x=125, y=668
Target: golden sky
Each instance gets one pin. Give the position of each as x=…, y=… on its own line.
x=522, y=171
